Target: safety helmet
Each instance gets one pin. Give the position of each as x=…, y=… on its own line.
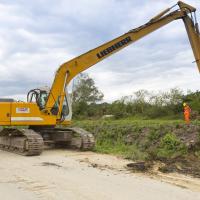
x=184, y=104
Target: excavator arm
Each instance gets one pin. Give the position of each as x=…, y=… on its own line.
x=192, y=29
x=70, y=69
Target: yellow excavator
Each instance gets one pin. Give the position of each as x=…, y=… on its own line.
x=47, y=111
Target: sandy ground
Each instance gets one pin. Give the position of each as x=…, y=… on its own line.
x=62, y=174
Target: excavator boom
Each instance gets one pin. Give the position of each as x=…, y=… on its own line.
x=70, y=69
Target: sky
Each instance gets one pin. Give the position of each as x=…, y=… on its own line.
x=36, y=37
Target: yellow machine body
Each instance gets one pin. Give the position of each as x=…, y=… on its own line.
x=22, y=113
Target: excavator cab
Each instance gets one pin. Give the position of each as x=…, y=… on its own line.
x=40, y=96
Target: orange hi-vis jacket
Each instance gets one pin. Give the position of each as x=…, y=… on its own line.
x=187, y=110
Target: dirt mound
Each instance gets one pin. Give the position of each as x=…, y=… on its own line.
x=188, y=134
x=176, y=145
x=188, y=165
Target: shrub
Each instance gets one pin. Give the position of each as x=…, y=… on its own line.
x=171, y=147
x=154, y=135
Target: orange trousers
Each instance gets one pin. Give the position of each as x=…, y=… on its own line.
x=187, y=117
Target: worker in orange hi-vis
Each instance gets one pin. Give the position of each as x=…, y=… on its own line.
x=187, y=112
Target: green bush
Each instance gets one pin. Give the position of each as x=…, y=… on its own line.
x=171, y=147
x=154, y=135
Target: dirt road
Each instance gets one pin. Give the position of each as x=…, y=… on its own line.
x=62, y=174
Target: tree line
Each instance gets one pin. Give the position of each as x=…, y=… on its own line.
x=88, y=102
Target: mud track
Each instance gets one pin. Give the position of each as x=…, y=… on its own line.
x=62, y=174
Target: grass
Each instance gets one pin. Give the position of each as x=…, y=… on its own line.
x=136, y=122
x=138, y=139
x=127, y=151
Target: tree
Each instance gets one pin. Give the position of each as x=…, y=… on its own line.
x=168, y=103
x=85, y=93
x=140, y=100
x=193, y=99
x=118, y=109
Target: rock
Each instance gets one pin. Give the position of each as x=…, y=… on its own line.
x=138, y=166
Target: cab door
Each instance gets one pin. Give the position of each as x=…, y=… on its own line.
x=5, y=110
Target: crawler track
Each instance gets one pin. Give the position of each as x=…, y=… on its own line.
x=29, y=142
x=24, y=142
x=87, y=139
x=75, y=138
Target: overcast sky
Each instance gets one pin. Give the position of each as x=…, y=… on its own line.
x=36, y=36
